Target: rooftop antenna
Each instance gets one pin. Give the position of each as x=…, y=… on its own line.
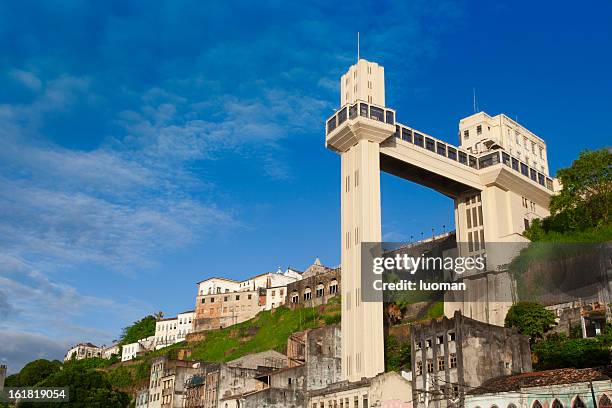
x=357, y=46
x=475, y=104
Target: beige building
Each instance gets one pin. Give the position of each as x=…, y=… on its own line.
x=224, y=302
x=219, y=311
x=497, y=193
x=388, y=390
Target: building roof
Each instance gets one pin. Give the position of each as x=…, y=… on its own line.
x=542, y=379
x=86, y=345
x=220, y=278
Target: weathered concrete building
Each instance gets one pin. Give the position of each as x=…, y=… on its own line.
x=215, y=385
x=226, y=309
x=560, y=388
x=452, y=356
x=2, y=375
x=167, y=382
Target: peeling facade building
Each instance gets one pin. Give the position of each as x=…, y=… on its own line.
x=451, y=356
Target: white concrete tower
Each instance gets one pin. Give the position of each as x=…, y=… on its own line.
x=364, y=126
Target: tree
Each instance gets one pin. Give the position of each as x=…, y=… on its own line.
x=531, y=319
x=141, y=329
x=586, y=195
x=34, y=372
x=87, y=388
x=559, y=351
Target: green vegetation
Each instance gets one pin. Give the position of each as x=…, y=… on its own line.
x=531, y=319
x=33, y=373
x=559, y=351
x=141, y=329
x=88, y=385
x=581, y=211
x=397, y=354
x=435, y=310
x=269, y=330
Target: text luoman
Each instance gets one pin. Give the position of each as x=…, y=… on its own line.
x=402, y=285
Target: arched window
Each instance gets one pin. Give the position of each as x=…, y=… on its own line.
x=536, y=404
x=333, y=287
x=511, y=406
x=307, y=293
x=578, y=403
x=320, y=290
x=494, y=406
x=557, y=404
x=295, y=297
x=605, y=402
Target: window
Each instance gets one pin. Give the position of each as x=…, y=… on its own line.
x=250, y=297
x=479, y=130
x=452, y=153
x=466, y=134
x=365, y=401
x=441, y=364
x=320, y=290
x=578, y=403
x=440, y=340
x=419, y=368
x=333, y=287
x=428, y=343
x=203, y=300
x=441, y=149
x=406, y=135
x=604, y=402
x=295, y=298
x=418, y=139
x=429, y=144
x=462, y=158
x=417, y=346
x=526, y=222
x=237, y=297
x=452, y=360
x=557, y=404
x=430, y=366
x=451, y=336
x=307, y=294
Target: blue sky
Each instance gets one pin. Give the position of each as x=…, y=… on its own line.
x=146, y=146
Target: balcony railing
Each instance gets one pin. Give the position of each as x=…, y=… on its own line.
x=454, y=153
x=385, y=115
x=362, y=109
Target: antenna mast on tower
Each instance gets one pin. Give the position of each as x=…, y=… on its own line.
x=357, y=46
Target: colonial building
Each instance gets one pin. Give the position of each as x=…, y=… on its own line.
x=224, y=302
x=174, y=329
x=560, y=388
x=388, y=390
x=110, y=351
x=132, y=350
x=318, y=285
x=226, y=309
x=167, y=382
x=83, y=350
x=453, y=356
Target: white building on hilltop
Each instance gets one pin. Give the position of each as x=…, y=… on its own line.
x=83, y=350
x=110, y=351
x=131, y=351
x=173, y=330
